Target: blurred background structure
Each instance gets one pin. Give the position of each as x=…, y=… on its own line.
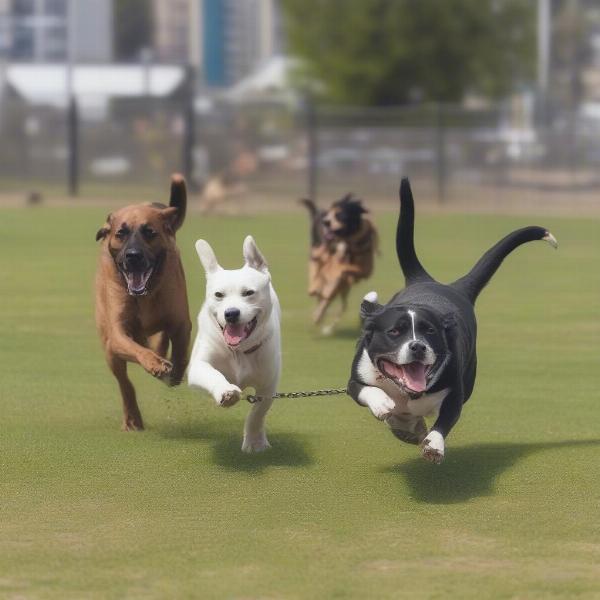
x=485, y=105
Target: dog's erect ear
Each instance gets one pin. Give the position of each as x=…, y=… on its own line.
x=104, y=230
x=253, y=256
x=171, y=218
x=207, y=257
x=369, y=309
x=369, y=305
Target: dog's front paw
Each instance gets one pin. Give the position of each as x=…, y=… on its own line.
x=228, y=396
x=157, y=366
x=432, y=447
x=255, y=443
x=379, y=403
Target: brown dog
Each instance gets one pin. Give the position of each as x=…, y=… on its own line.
x=141, y=297
x=343, y=246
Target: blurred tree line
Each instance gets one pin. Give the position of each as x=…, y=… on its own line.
x=387, y=52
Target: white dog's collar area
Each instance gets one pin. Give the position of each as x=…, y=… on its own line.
x=253, y=349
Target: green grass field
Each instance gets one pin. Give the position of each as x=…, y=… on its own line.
x=338, y=508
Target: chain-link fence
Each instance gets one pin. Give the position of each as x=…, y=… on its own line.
x=272, y=154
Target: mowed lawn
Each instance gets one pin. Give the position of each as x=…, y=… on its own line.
x=338, y=508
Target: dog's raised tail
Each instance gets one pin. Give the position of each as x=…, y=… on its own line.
x=477, y=278
x=178, y=198
x=315, y=216
x=412, y=269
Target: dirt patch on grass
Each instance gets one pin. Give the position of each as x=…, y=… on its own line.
x=534, y=570
x=454, y=564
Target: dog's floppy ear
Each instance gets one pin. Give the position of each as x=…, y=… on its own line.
x=207, y=256
x=104, y=230
x=253, y=256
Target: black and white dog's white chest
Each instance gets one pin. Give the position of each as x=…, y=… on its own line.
x=427, y=404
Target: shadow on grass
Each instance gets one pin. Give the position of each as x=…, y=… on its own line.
x=470, y=471
x=226, y=437
x=347, y=333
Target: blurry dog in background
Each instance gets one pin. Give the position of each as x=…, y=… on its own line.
x=343, y=244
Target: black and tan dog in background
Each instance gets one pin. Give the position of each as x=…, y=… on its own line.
x=343, y=245
x=141, y=297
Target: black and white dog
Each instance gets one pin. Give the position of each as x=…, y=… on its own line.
x=416, y=356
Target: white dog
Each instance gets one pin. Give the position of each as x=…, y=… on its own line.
x=239, y=341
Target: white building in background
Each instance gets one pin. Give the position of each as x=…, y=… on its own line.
x=37, y=30
x=172, y=30
x=225, y=40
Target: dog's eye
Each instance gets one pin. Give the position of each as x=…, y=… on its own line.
x=430, y=331
x=149, y=232
x=122, y=233
x=248, y=293
x=394, y=332
x=219, y=295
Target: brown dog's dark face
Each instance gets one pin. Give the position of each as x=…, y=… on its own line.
x=138, y=239
x=343, y=218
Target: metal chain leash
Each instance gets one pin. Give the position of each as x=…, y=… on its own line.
x=327, y=392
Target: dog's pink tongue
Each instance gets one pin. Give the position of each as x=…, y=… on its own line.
x=136, y=281
x=414, y=375
x=234, y=334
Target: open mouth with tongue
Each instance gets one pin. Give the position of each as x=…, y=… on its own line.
x=236, y=333
x=137, y=281
x=411, y=376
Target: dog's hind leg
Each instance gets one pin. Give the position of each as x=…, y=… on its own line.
x=321, y=310
x=339, y=313
x=132, y=418
x=255, y=436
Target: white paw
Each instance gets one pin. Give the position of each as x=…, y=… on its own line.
x=371, y=297
x=228, y=395
x=255, y=443
x=432, y=447
x=379, y=403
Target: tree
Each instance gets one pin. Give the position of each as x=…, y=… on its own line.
x=133, y=27
x=385, y=52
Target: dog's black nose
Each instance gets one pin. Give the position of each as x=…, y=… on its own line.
x=417, y=347
x=134, y=256
x=326, y=222
x=232, y=315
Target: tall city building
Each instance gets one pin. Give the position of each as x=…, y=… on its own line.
x=38, y=30
x=172, y=30
x=237, y=37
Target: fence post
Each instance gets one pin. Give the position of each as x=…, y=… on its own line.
x=441, y=153
x=312, y=145
x=73, y=146
x=189, y=130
